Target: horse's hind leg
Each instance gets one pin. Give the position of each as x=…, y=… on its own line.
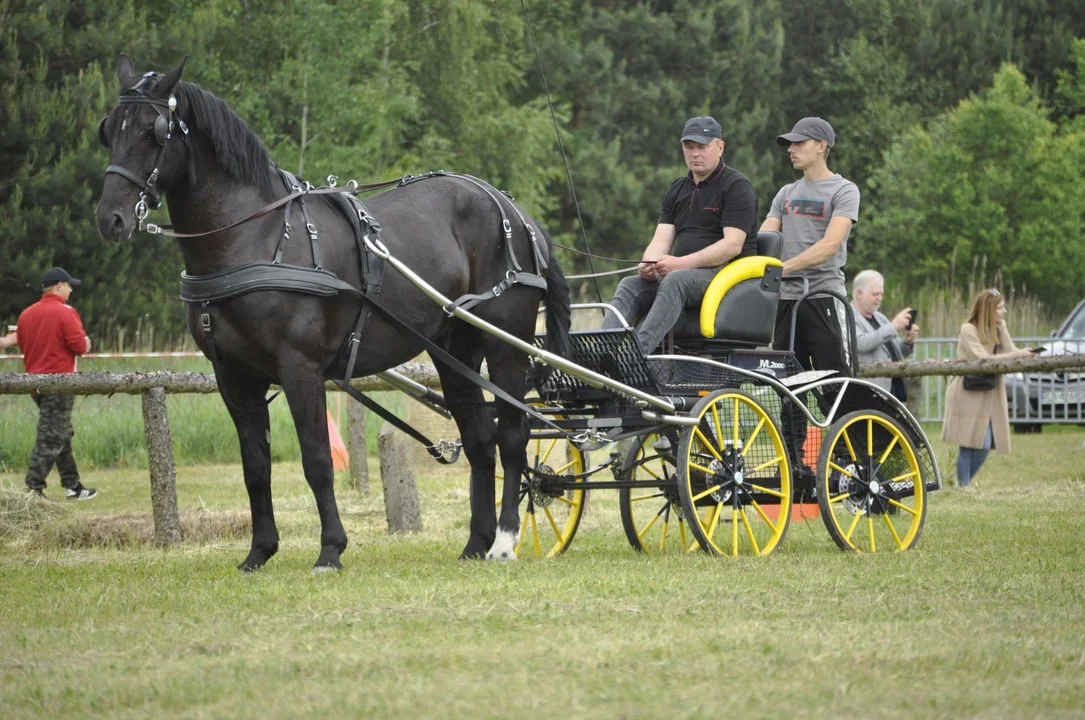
x=508, y=370
x=468, y=408
x=304, y=389
x=245, y=400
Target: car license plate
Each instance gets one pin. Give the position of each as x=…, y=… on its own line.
x=1064, y=397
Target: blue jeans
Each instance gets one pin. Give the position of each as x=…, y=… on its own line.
x=660, y=301
x=970, y=460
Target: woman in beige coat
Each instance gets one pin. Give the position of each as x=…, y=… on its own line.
x=979, y=420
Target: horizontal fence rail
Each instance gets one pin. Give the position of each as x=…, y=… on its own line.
x=154, y=387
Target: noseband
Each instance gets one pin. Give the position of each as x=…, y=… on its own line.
x=163, y=132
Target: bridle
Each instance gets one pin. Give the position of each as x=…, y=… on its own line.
x=164, y=126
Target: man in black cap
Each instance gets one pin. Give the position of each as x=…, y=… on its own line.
x=708, y=218
x=814, y=215
x=51, y=336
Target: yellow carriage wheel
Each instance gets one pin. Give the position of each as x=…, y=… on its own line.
x=869, y=484
x=652, y=513
x=549, y=519
x=734, y=480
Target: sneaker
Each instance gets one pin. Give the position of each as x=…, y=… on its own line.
x=80, y=493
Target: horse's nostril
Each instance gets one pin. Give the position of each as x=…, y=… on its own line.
x=118, y=223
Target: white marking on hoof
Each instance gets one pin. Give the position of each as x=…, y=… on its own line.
x=320, y=569
x=504, y=547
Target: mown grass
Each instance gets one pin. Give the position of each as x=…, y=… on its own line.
x=984, y=618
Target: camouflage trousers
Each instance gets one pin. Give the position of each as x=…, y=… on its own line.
x=53, y=444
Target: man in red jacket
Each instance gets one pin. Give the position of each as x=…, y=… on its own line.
x=51, y=336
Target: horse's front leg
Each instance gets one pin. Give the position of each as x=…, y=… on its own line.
x=304, y=389
x=244, y=398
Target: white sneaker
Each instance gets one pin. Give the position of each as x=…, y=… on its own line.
x=80, y=493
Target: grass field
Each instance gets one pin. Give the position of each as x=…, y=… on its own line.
x=985, y=618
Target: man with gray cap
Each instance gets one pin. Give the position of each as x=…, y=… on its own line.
x=51, y=336
x=814, y=214
x=708, y=218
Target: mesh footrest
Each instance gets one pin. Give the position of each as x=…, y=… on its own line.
x=612, y=353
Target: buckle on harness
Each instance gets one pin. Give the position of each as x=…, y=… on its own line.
x=153, y=229
x=205, y=321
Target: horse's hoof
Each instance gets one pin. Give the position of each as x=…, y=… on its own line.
x=321, y=569
x=247, y=569
x=504, y=547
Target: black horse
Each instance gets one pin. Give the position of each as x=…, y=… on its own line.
x=214, y=171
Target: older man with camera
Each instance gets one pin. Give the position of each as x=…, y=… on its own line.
x=877, y=338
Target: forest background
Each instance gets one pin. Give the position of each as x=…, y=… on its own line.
x=962, y=122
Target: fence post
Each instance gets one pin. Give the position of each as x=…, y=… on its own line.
x=400, y=491
x=156, y=429
x=359, y=463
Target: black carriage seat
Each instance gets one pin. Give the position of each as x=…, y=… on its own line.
x=739, y=307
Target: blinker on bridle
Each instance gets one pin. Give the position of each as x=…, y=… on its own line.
x=163, y=132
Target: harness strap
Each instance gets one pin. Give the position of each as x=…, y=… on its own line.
x=432, y=448
x=469, y=300
x=311, y=228
x=459, y=367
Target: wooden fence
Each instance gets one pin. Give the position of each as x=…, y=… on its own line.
x=154, y=387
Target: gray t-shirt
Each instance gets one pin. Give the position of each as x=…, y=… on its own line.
x=805, y=208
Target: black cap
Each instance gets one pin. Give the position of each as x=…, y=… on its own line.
x=56, y=275
x=809, y=128
x=703, y=129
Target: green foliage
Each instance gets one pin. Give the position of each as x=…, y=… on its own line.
x=378, y=88
x=992, y=180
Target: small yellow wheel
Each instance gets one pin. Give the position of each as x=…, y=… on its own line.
x=550, y=517
x=652, y=513
x=734, y=479
x=869, y=485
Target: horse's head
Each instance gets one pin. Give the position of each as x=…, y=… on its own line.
x=148, y=149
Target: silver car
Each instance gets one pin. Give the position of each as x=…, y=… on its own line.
x=1037, y=399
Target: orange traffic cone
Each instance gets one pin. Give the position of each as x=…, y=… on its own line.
x=340, y=456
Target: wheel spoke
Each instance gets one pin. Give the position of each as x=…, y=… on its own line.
x=734, y=531
x=764, y=517
x=838, y=498
x=535, y=535
x=716, y=419
x=839, y=469
x=646, y=497
x=709, y=491
x=702, y=468
x=640, y=535
x=768, y=491
x=564, y=467
x=854, y=522
x=567, y=501
x=682, y=532
x=847, y=441
x=663, y=536
x=546, y=455
x=767, y=463
x=710, y=529
x=649, y=470
x=889, y=449
x=753, y=436
x=893, y=531
x=905, y=508
x=523, y=529
x=735, y=438
x=553, y=525
x=749, y=532
x=870, y=531
x=707, y=444
x=869, y=438
x=905, y=476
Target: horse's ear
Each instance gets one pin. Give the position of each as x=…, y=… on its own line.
x=125, y=69
x=170, y=80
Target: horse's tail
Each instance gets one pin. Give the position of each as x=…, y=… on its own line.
x=558, y=316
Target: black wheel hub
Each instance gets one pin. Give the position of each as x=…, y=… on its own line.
x=866, y=487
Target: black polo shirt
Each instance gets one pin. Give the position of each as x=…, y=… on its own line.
x=700, y=211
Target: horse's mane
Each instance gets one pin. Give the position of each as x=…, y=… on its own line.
x=237, y=149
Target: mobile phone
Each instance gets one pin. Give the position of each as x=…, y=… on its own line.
x=911, y=318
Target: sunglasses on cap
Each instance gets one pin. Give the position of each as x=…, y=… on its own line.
x=994, y=292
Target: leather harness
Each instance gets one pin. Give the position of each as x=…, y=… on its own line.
x=208, y=290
